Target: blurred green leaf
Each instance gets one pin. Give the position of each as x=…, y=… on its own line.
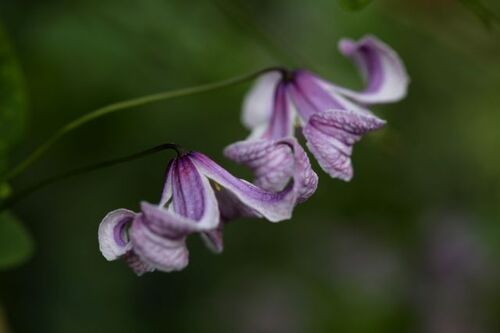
x=15, y=242
x=487, y=16
x=12, y=99
x=5, y=190
x=16, y=245
x=354, y=5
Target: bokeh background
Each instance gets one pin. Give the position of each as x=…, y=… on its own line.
x=411, y=244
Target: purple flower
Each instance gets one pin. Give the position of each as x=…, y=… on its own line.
x=333, y=118
x=198, y=197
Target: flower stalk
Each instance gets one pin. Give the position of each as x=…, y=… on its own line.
x=124, y=105
x=17, y=196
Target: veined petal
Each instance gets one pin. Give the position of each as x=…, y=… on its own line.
x=136, y=264
x=189, y=195
x=112, y=234
x=274, y=206
x=311, y=95
x=281, y=122
x=382, y=69
x=330, y=136
x=306, y=180
x=272, y=163
x=258, y=103
x=155, y=250
x=275, y=163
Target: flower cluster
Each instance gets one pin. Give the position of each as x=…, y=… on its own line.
x=332, y=118
x=200, y=196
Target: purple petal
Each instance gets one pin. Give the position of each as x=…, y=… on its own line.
x=272, y=163
x=188, y=205
x=168, y=224
x=231, y=207
x=281, y=122
x=330, y=136
x=258, y=104
x=384, y=72
x=188, y=192
x=311, y=96
x=112, y=234
x=188, y=198
x=275, y=163
x=306, y=180
x=154, y=250
x=274, y=206
x=136, y=264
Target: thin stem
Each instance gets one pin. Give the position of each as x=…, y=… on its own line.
x=119, y=106
x=86, y=169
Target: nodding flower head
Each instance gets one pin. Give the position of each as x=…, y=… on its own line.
x=199, y=196
x=333, y=118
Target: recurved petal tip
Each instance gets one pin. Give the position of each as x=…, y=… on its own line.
x=113, y=233
x=383, y=70
x=331, y=135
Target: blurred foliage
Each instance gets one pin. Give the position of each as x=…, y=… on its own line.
x=5, y=191
x=354, y=4
x=12, y=99
x=15, y=244
x=486, y=15
x=392, y=251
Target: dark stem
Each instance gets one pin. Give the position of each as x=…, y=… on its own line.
x=17, y=196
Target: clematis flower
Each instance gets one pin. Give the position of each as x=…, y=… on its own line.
x=332, y=118
x=198, y=197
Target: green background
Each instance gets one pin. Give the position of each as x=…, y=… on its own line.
x=410, y=245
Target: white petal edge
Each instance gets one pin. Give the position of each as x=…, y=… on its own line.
x=395, y=79
x=258, y=103
x=110, y=249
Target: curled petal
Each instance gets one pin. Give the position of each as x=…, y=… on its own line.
x=156, y=251
x=258, y=103
x=275, y=206
x=231, y=207
x=112, y=234
x=272, y=163
x=330, y=136
x=305, y=178
x=275, y=163
x=384, y=72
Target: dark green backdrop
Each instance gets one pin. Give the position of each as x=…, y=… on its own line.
x=410, y=245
